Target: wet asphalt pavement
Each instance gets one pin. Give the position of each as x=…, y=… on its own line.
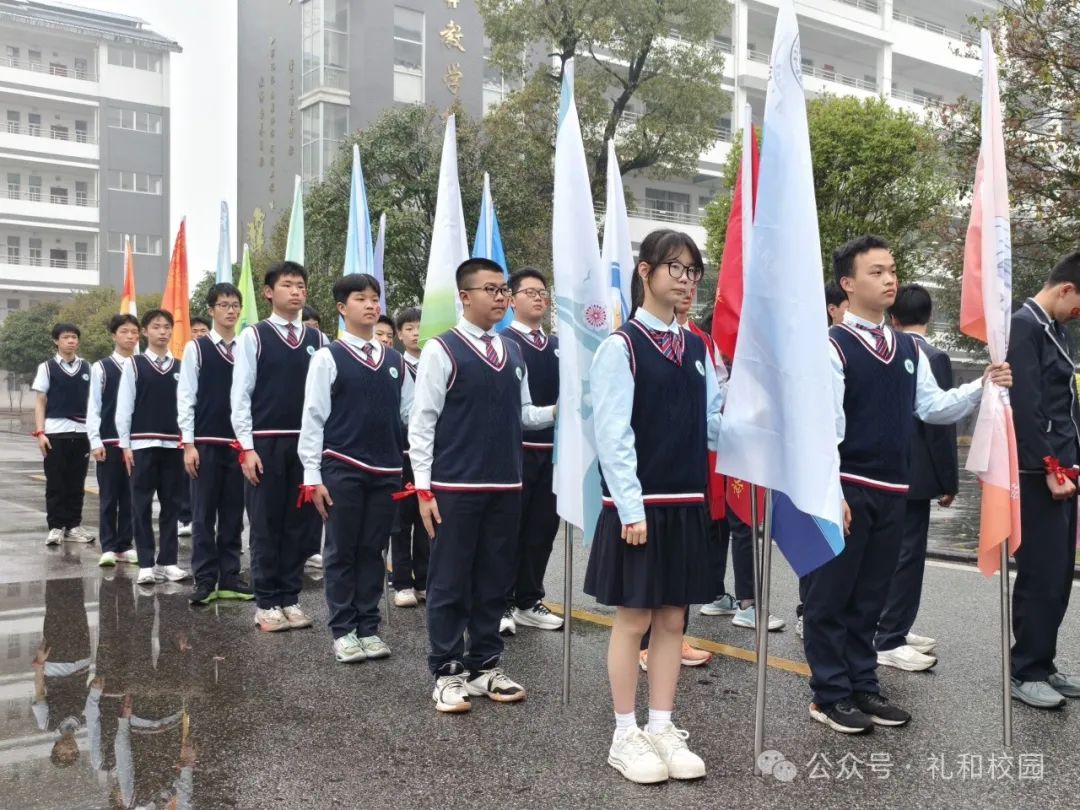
x=169, y=706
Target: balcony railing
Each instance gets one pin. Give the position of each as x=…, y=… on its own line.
x=722, y=133
x=865, y=5
x=652, y=213
x=53, y=69
x=81, y=200
x=917, y=98
x=820, y=73
x=56, y=264
x=37, y=131
x=936, y=28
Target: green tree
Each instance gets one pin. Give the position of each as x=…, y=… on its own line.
x=647, y=73
x=92, y=310
x=876, y=170
x=1038, y=47
x=25, y=340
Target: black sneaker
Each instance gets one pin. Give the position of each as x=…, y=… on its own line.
x=842, y=716
x=879, y=710
x=203, y=593
x=237, y=590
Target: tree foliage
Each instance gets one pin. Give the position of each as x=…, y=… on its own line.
x=1038, y=47
x=91, y=312
x=876, y=170
x=25, y=340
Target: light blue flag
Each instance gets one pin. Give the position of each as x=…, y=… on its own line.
x=779, y=429
x=380, y=251
x=488, y=243
x=359, y=253
x=224, y=274
x=583, y=319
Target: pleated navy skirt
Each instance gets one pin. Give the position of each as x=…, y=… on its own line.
x=670, y=569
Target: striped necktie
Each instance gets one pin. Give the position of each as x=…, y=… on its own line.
x=367, y=349
x=489, y=350
x=881, y=345
x=669, y=344
x=227, y=349
x=291, y=337
x=537, y=338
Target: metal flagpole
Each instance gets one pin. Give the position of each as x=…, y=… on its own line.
x=761, y=622
x=1006, y=653
x=754, y=518
x=386, y=588
x=568, y=595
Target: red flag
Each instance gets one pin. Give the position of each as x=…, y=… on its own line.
x=729, y=288
x=175, y=297
x=127, y=300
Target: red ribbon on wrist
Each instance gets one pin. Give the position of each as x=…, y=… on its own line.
x=1053, y=467
x=307, y=495
x=38, y=433
x=410, y=490
x=241, y=453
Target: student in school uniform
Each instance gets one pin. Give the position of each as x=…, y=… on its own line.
x=881, y=382
x=933, y=475
x=539, y=520
x=200, y=326
x=357, y=396
x=311, y=321
x=657, y=411
x=150, y=442
x=384, y=331
x=472, y=400
x=271, y=362
x=1046, y=417
x=114, y=486
x=410, y=545
x=217, y=485
x=62, y=385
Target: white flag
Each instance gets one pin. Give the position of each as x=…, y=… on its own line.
x=617, y=256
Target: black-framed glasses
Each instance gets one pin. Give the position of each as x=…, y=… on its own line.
x=543, y=295
x=493, y=290
x=691, y=271
x=228, y=306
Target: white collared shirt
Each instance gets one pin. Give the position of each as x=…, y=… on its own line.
x=322, y=371
x=432, y=377
x=97, y=387
x=525, y=329
x=41, y=385
x=932, y=405
x=187, y=389
x=125, y=406
x=245, y=370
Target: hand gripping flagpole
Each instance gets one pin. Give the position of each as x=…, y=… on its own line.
x=568, y=595
x=761, y=624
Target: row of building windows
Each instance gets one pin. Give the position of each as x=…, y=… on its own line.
x=79, y=131
x=56, y=194
x=79, y=67
x=134, y=119
x=62, y=257
x=144, y=244
x=134, y=181
x=132, y=58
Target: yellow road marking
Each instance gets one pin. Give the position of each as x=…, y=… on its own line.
x=91, y=490
x=797, y=667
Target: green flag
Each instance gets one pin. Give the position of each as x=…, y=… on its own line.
x=249, y=312
x=294, y=246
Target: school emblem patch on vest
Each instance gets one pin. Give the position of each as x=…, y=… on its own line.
x=700, y=368
x=394, y=373
x=909, y=366
x=311, y=350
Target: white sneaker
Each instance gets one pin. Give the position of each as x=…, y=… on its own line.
x=271, y=620
x=183, y=530
x=507, y=626
x=798, y=626
x=296, y=618
x=906, y=658
x=348, y=649
x=375, y=647
x=314, y=561
x=670, y=744
x=147, y=576
x=107, y=559
x=721, y=606
x=494, y=684
x=537, y=616
x=54, y=537
x=634, y=756
x=421, y=596
x=129, y=556
x=923, y=644
x=450, y=694
x=173, y=573
x=747, y=617
x=405, y=598
x=77, y=534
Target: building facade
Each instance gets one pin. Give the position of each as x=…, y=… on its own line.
x=84, y=151
x=347, y=61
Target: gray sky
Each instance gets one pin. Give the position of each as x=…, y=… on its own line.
x=203, y=110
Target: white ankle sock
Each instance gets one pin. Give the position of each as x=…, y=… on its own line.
x=658, y=720
x=625, y=723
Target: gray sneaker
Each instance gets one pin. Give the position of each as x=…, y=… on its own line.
x=721, y=606
x=375, y=647
x=1038, y=694
x=1067, y=685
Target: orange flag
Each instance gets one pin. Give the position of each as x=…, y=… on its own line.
x=985, y=302
x=175, y=298
x=127, y=301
